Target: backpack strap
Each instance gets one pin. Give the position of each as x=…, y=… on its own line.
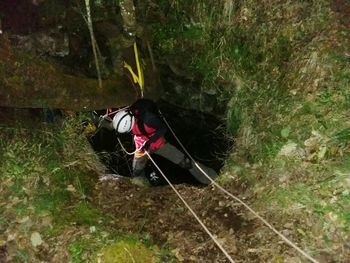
x=141, y=126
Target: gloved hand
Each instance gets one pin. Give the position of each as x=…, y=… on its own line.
x=105, y=117
x=146, y=146
x=105, y=122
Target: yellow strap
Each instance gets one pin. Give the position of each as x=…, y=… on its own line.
x=133, y=75
x=139, y=72
x=139, y=77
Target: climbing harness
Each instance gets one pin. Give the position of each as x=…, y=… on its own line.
x=240, y=201
x=137, y=78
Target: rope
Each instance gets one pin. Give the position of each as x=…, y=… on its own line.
x=185, y=203
x=93, y=42
x=190, y=209
x=113, y=112
x=130, y=153
x=241, y=202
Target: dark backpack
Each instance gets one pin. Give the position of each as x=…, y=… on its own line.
x=139, y=108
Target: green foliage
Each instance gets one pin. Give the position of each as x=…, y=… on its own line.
x=249, y=42
x=48, y=200
x=47, y=175
x=76, y=250
x=193, y=33
x=22, y=255
x=285, y=81
x=165, y=40
x=205, y=65
x=233, y=120
x=86, y=214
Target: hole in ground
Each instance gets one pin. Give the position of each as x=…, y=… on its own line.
x=202, y=135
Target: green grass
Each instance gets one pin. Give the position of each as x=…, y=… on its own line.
x=76, y=250
x=314, y=194
x=22, y=255
x=51, y=200
x=47, y=176
x=284, y=79
x=86, y=214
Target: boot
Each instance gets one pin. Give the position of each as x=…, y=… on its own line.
x=186, y=163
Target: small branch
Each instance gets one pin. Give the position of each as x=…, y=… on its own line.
x=93, y=42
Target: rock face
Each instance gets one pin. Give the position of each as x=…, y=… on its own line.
x=52, y=43
x=27, y=81
x=46, y=57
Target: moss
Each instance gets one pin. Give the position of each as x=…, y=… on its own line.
x=126, y=251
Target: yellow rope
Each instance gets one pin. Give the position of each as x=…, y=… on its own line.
x=137, y=78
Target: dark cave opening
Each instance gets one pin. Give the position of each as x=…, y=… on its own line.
x=202, y=135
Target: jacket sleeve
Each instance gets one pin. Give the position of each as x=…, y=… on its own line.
x=156, y=123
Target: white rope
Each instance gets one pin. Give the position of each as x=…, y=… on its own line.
x=241, y=202
x=190, y=209
x=130, y=153
x=185, y=203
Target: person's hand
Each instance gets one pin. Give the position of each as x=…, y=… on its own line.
x=107, y=118
x=105, y=122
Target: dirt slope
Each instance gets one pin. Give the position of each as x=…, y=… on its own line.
x=159, y=212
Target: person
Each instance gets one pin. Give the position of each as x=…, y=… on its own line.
x=143, y=120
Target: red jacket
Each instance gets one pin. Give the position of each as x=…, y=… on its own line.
x=154, y=132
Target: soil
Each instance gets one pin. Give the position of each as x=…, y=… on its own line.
x=158, y=212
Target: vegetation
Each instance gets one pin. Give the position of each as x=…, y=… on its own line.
x=282, y=70
x=278, y=73
x=48, y=173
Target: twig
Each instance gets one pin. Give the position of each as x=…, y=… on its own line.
x=93, y=42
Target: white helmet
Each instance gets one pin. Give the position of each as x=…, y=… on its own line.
x=123, y=121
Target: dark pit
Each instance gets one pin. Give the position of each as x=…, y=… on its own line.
x=202, y=135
